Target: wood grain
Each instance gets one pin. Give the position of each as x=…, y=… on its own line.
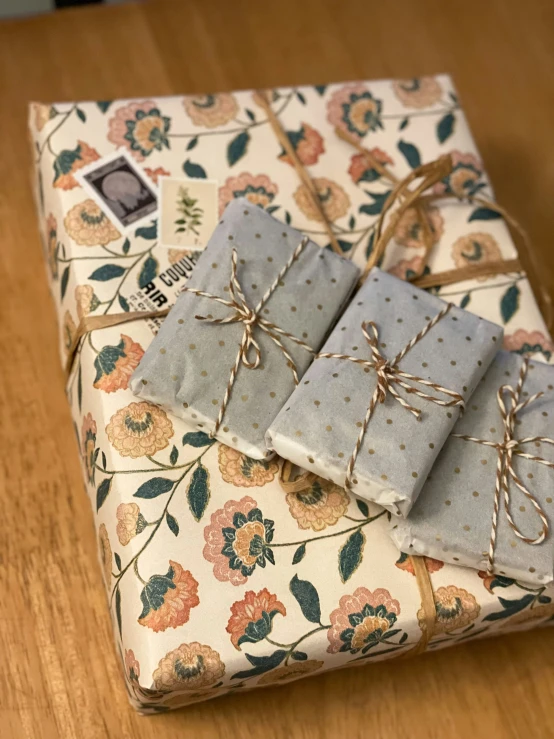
x=59, y=676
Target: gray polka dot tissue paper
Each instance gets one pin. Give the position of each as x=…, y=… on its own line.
x=378, y=403
x=225, y=359
x=502, y=448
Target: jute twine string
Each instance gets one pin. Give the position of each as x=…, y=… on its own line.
x=507, y=449
x=250, y=318
x=389, y=375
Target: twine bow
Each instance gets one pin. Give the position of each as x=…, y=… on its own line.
x=251, y=318
x=389, y=375
x=507, y=449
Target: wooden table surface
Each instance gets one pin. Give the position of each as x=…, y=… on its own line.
x=58, y=671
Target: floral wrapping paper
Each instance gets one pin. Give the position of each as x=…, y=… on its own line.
x=218, y=581
x=320, y=424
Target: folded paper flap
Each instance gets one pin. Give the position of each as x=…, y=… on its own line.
x=453, y=515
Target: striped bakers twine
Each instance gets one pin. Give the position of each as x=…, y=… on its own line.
x=251, y=318
x=507, y=449
x=389, y=375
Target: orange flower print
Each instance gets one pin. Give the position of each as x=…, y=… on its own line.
x=69, y=330
x=362, y=620
x=455, y=608
x=418, y=93
x=211, y=111
x=69, y=161
x=141, y=128
x=105, y=553
x=115, y=364
x=320, y=506
x=354, y=109
x=307, y=143
x=189, y=667
x=88, y=445
x=167, y=599
x=529, y=342
x=361, y=167
x=333, y=198
x=41, y=114
x=258, y=189
x=404, y=562
x=465, y=178
x=237, y=539
x=252, y=617
x=139, y=429
x=410, y=232
x=155, y=174
x=407, y=268
x=495, y=581
x=51, y=231
x=132, y=667
x=475, y=248
x=241, y=471
x=130, y=522
x=175, y=255
x=290, y=672
x=87, y=224
x=86, y=300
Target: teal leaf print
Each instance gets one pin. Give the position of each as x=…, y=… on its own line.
x=197, y=439
x=148, y=272
x=63, y=163
x=192, y=143
x=261, y=664
x=118, y=610
x=445, y=127
x=172, y=523
x=352, y=223
x=102, y=492
x=194, y=170
x=104, y=461
x=509, y=303
x=95, y=455
x=105, y=362
x=154, y=487
x=544, y=599
x=81, y=114
x=123, y=303
x=350, y=555
x=364, y=508
x=300, y=656
x=103, y=105
x=369, y=247
x=250, y=114
x=272, y=208
x=403, y=124
x=63, y=282
x=299, y=554
x=403, y=638
x=153, y=593
x=500, y=581
x=301, y=97
x=174, y=455
x=258, y=630
x=320, y=89
x=484, y=214
x=107, y=272
x=117, y=561
x=308, y=599
x=453, y=97
x=288, y=219
x=237, y=147
x=148, y=232
x=410, y=153
x=126, y=246
x=510, y=607
x=373, y=209
x=465, y=300
x=198, y=491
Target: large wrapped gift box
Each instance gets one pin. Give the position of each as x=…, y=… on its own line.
x=217, y=580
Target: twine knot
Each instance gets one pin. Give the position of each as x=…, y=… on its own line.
x=251, y=319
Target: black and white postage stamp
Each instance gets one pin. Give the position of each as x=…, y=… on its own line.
x=121, y=189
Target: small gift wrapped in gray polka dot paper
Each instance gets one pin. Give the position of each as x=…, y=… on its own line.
x=489, y=500
x=379, y=401
x=260, y=302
